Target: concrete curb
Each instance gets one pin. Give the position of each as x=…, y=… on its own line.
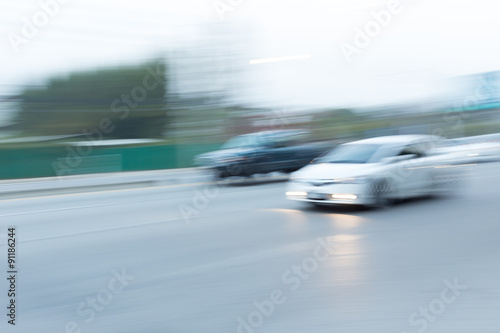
x=39, y=187
x=97, y=182
x=72, y=190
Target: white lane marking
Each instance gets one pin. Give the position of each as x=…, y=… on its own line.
x=60, y=209
x=179, y=219
x=96, y=205
x=145, y=188
x=130, y=226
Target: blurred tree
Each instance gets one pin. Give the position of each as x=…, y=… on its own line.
x=122, y=102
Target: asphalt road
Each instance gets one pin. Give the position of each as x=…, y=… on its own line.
x=241, y=258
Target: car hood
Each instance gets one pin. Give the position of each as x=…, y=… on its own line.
x=335, y=170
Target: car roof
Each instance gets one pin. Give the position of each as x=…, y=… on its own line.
x=279, y=133
x=398, y=139
x=282, y=131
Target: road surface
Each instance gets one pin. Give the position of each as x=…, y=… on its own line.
x=241, y=258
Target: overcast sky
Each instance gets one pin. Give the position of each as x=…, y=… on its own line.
x=423, y=42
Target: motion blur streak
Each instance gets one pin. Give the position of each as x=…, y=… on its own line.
x=222, y=151
x=278, y=59
x=384, y=262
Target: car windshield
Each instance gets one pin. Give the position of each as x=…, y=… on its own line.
x=241, y=141
x=351, y=153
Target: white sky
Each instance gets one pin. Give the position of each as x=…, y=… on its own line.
x=423, y=44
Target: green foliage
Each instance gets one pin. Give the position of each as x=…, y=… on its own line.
x=123, y=102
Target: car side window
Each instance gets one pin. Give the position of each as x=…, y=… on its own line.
x=293, y=139
x=411, y=150
x=281, y=142
x=263, y=140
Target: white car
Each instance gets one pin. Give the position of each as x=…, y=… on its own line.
x=374, y=171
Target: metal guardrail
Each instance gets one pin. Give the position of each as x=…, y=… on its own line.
x=56, y=160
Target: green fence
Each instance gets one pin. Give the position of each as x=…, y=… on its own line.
x=63, y=160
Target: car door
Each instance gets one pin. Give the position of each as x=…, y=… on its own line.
x=289, y=152
x=278, y=154
x=411, y=174
x=263, y=158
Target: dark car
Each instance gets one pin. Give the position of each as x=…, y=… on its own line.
x=262, y=152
